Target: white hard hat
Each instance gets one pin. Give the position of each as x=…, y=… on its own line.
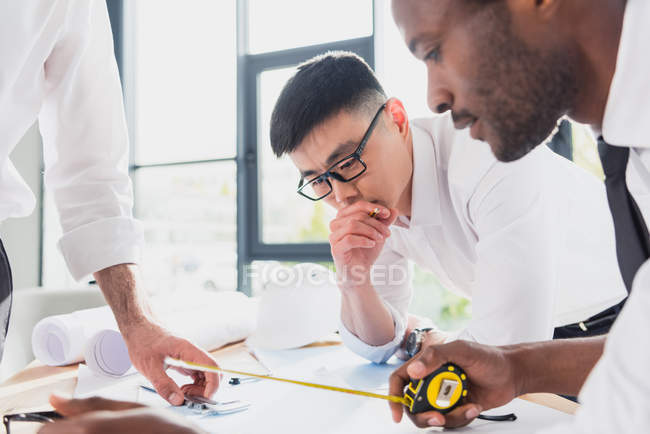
x=299, y=305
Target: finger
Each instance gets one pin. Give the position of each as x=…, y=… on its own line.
x=350, y=242
x=197, y=376
x=357, y=228
x=166, y=387
x=427, y=419
x=365, y=207
x=74, y=407
x=207, y=381
x=61, y=427
x=193, y=389
x=396, y=383
x=462, y=415
x=393, y=214
x=427, y=360
x=381, y=227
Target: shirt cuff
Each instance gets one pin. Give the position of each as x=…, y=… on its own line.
x=376, y=354
x=101, y=244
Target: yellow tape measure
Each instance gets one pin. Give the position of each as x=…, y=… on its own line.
x=442, y=390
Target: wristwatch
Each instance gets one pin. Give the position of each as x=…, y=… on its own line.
x=414, y=340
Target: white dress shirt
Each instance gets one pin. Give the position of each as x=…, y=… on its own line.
x=58, y=67
x=530, y=242
x=616, y=395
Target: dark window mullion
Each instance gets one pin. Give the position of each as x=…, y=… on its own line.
x=255, y=66
x=182, y=163
x=285, y=58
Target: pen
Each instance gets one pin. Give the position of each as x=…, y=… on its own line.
x=234, y=381
x=148, y=389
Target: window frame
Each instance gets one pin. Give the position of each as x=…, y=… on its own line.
x=250, y=246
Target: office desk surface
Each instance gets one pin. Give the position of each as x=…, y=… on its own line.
x=30, y=388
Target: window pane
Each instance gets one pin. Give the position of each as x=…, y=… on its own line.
x=185, y=75
x=282, y=24
x=399, y=72
x=448, y=311
x=286, y=216
x=189, y=215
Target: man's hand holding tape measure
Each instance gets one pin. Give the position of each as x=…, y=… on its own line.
x=489, y=379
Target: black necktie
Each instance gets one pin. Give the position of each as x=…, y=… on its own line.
x=632, y=241
x=5, y=297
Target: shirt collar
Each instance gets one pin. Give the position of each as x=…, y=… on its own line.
x=425, y=197
x=628, y=110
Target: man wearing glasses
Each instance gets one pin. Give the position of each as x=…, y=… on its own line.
x=501, y=234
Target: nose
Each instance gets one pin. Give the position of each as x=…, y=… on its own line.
x=344, y=193
x=439, y=98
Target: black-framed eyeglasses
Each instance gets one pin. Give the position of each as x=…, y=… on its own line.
x=40, y=416
x=345, y=170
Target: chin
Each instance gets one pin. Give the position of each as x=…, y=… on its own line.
x=507, y=152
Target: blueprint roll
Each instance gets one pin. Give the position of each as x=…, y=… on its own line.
x=106, y=353
x=61, y=339
x=209, y=322
x=208, y=319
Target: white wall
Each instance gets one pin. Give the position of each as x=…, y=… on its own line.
x=21, y=237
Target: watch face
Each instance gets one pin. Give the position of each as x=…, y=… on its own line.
x=412, y=344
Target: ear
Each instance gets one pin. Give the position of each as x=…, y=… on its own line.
x=398, y=114
x=544, y=9
x=547, y=8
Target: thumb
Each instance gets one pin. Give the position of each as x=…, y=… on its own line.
x=394, y=213
x=429, y=358
x=75, y=407
x=166, y=388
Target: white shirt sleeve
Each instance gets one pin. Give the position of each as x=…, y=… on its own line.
x=86, y=145
x=615, y=396
x=515, y=220
x=391, y=277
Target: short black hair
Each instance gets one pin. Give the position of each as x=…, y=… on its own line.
x=322, y=87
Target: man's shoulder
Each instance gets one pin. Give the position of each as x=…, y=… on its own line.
x=462, y=160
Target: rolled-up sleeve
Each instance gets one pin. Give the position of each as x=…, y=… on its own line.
x=391, y=276
x=86, y=148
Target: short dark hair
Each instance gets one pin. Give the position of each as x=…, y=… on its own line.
x=322, y=87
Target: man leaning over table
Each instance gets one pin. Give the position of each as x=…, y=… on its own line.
x=58, y=67
x=587, y=59
x=516, y=243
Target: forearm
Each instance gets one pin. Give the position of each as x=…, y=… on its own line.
x=125, y=295
x=559, y=366
x=364, y=314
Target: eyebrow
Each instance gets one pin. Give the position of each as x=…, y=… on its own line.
x=413, y=45
x=419, y=38
x=335, y=155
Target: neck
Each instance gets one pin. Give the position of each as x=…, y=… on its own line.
x=597, y=28
x=404, y=203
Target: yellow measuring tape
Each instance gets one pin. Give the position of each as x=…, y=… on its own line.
x=206, y=368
